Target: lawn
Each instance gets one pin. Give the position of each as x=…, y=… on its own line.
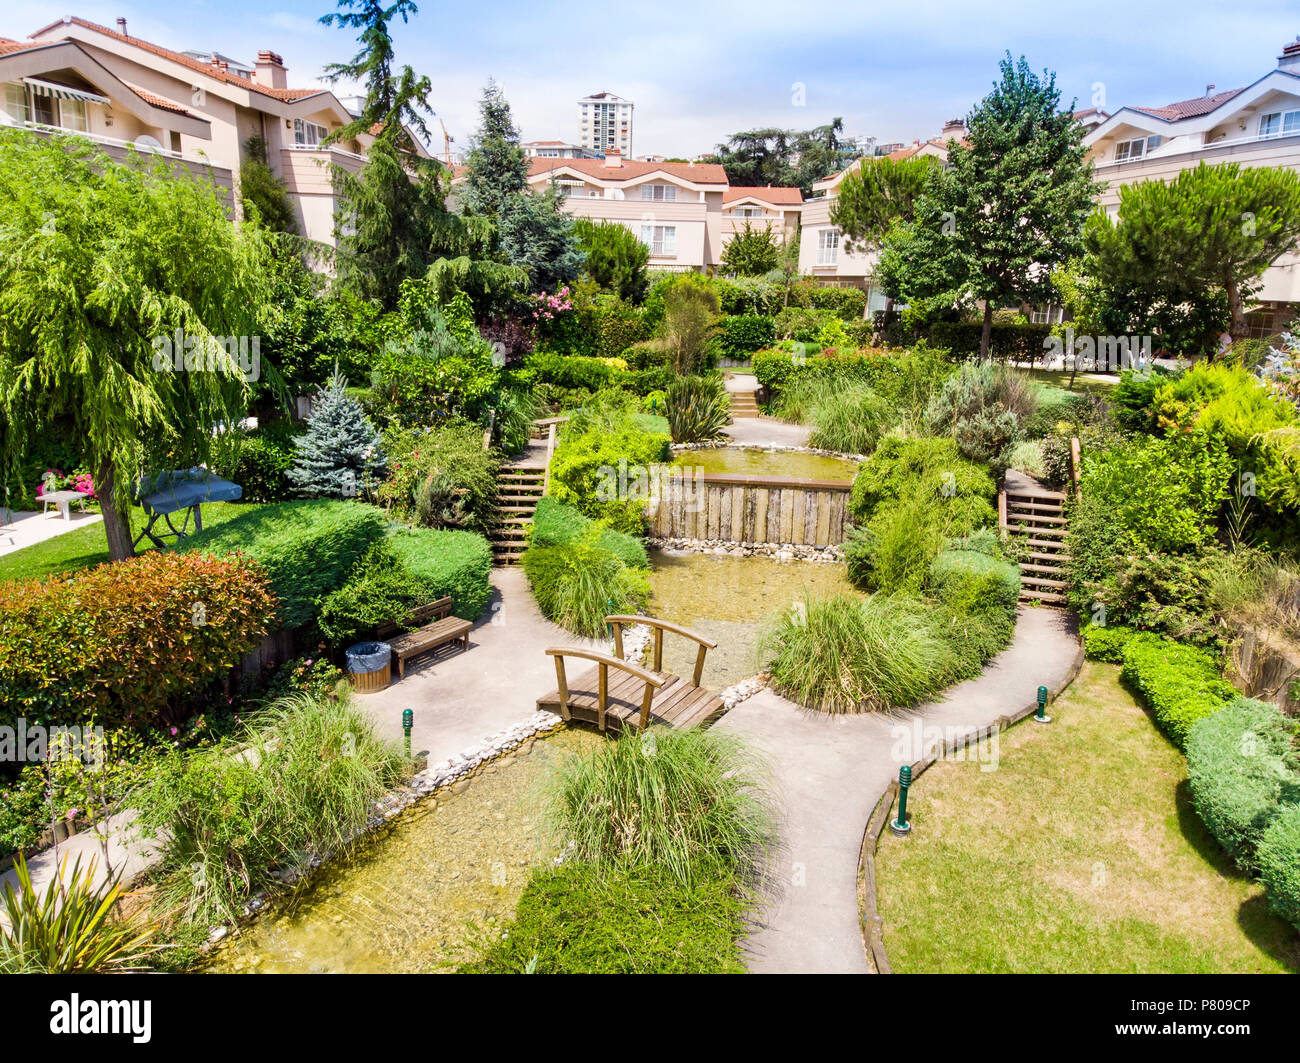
x=1081, y=852
x=87, y=546
x=1084, y=384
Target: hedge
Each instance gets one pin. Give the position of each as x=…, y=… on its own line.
x=585, y=472
x=1106, y=642
x=445, y=562
x=971, y=581
x=1179, y=683
x=743, y=334
x=1278, y=859
x=1017, y=342
x=555, y=524
x=307, y=547
x=1242, y=767
x=121, y=640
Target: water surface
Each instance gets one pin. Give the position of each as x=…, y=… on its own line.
x=767, y=463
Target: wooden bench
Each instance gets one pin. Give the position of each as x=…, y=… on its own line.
x=434, y=626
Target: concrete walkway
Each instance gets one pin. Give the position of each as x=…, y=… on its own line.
x=461, y=697
x=828, y=772
x=27, y=527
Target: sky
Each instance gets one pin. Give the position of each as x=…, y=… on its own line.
x=700, y=70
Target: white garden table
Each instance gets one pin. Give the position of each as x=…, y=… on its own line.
x=63, y=500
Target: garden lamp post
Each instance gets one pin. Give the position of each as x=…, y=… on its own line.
x=408, y=720
x=900, y=825
x=1041, y=716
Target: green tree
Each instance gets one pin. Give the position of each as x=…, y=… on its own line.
x=691, y=309
x=616, y=259
x=783, y=157
x=341, y=453
x=103, y=267
x=535, y=233
x=752, y=252
x=1010, y=208
x=1211, y=228
x=263, y=193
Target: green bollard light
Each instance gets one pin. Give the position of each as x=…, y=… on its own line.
x=1041, y=716
x=900, y=825
x=609, y=608
x=408, y=720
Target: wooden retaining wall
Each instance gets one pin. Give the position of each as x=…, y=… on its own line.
x=752, y=509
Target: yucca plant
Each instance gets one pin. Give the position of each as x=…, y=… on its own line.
x=70, y=927
x=687, y=801
x=698, y=409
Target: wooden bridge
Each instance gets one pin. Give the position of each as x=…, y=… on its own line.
x=617, y=694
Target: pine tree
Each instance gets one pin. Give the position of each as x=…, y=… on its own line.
x=341, y=454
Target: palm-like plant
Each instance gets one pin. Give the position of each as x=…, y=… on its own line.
x=697, y=408
x=70, y=926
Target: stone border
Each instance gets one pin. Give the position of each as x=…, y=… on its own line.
x=768, y=448
x=871, y=921
x=728, y=548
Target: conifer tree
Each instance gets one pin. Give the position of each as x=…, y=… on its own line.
x=341, y=454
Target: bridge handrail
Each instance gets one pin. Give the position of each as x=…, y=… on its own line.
x=605, y=662
x=616, y=622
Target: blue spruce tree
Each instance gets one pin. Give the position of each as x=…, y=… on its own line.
x=340, y=455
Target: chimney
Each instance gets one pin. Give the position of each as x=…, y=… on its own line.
x=269, y=70
x=1209, y=89
x=121, y=27
x=614, y=158
x=1290, y=57
x=953, y=129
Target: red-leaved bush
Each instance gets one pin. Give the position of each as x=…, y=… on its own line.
x=129, y=640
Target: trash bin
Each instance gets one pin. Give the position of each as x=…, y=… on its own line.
x=370, y=664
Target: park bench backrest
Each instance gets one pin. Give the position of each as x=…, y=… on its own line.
x=418, y=617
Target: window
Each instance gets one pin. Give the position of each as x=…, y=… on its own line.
x=307, y=134
x=828, y=246
x=661, y=239
x=1128, y=150
x=72, y=115
x=748, y=212
x=43, y=110
x=658, y=193
x=16, y=103
x=1279, y=124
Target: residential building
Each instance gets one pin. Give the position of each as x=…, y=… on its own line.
x=821, y=246
x=765, y=207
x=1258, y=125
x=675, y=207
x=605, y=123
x=557, y=149
x=74, y=77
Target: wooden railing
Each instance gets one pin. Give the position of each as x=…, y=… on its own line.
x=604, y=662
x=659, y=627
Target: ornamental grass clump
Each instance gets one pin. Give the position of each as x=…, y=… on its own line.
x=579, y=582
x=850, y=419
x=847, y=654
x=686, y=801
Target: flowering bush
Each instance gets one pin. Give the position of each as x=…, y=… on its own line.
x=54, y=480
x=129, y=641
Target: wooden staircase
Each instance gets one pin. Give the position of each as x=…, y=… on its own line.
x=1038, y=515
x=743, y=404
x=518, y=489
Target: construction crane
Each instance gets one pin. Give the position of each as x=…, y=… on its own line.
x=447, y=142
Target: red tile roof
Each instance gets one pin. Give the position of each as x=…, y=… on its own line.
x=285, y=95
x=162, y=102
x=783, y=197
x=704, y=173
x=7, y=46
x=1193, y=108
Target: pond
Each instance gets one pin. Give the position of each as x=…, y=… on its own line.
x=737, y=462
x=414, y=898
x=728, y=599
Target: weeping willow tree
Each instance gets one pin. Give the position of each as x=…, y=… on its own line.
x=129, y=306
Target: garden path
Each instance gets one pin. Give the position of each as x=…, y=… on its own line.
x=828, y=772
x=28, y=527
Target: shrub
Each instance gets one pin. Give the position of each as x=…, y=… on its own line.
x=690, y=320
x=1007, y=341
x=258, y=461
x=1179, y=683
x=687, y=801
x=801, y=323
x=1106, y=643
x=845, y=654
x=578, y=583
x=586, y=469
x=124, y=641
x=578, y=919
x=340, y=455
x=742, y=334
x=931, y=466
x=1278, y=858
x=555, y=524
x=1242, y=765
x=441, y=478
x=616, y=259
x=72, y=926
x=981, y=386
x=1027, y=457
x=698, y=409
x=849, y=304
x=849, y=419
x=970, y=581
x=307, y=784
x=572, y=371
x=307, y=548
x=442, y=563
x=380, y=590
